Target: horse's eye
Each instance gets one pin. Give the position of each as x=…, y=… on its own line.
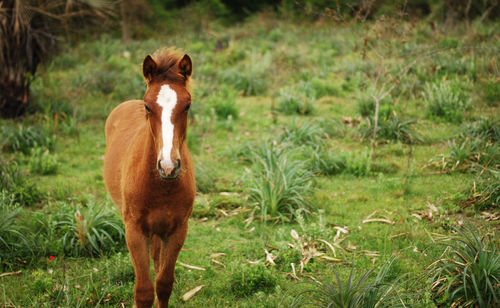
x=147, y=109
x=187, y=107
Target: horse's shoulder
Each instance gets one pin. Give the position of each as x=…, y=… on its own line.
x=125, y=115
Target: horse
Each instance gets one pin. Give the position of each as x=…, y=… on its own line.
x=149, y=174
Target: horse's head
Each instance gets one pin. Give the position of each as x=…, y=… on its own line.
x=166, y=105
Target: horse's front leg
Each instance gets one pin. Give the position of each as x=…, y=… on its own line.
x=169, y=252
x=138, y=246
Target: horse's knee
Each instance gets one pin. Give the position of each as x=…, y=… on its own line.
x=144, y=297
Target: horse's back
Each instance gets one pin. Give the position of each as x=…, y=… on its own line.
x=122, y=126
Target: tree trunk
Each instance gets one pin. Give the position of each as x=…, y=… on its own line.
x=13, y=99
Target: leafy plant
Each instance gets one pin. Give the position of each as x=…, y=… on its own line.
x=367, y=290
x=291, y=101
x=224, y=103
x=22, y=139
x=392, y=128
x=446, y=100
x=91, y=231
x=307, y=134
x=278, y=183
x=13, y=236
x=22, y=190
x=486, y=191
x=469, y=273
x=248, y=280
x=42, y=162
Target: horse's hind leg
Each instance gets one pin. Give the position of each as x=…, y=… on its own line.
x=169, y=252
x=138, y=245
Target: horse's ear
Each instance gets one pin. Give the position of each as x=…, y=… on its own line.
x=148, y=68
x=186, y=66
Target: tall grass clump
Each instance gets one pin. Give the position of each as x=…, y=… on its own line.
x=14, y=183
x=23, y=139
x=485, y=192
x=92, y=231
x=468, y=274
x=224, y=103
x=251, y=78
x=292, y=101
x=42, y=162
x=371, y=289
x=13, y=236
x=392, y=128
x=279, y=183
x=248, y=280
x=305, y=134
x=491, y=90
x=446, y=100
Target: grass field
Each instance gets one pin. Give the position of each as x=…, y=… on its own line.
x=302, y=92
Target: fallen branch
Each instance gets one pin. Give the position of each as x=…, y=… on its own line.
x=387, y=221
x=10, y=273
x=191, y=266
x=191, y=293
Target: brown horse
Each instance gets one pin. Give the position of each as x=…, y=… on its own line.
x=149, y=173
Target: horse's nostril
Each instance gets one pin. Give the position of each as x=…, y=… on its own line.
x=159, y=165
x=178, y=164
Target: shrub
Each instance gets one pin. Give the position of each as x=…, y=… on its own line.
x=368, y=290
x=446, y=100
x=41, y=162
x=469, y=273
x=249, y=280
x=484, y=129
x=278, y=183
x=92, y=231
x=22, y=191
x=24, y=138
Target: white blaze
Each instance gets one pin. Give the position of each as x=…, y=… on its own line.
x=167, y=99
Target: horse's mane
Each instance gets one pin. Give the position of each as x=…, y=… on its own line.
x=165, y=59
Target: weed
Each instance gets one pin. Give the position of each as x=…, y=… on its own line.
x=251, y=79
x=358, y=163
x=224, y=103
x=291, y=101
x=469, y=273
x=24, y=138
x=486, y=191
x=484, y=129
x=92, y=231
x=446, y=100
x=14, y=238
x=392, y=128
x=205, y=181
x=248, y=280
x=278, y=183
x=307, y=134
x=23, y=191
x=491, y=90
x=42, y=162
x=368, y=290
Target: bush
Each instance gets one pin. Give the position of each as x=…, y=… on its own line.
x=469, y=273
x=13, y=183
x=24, y=138
x=367, y=290
x=446, y=100
x=249, y=280
x=278, y=182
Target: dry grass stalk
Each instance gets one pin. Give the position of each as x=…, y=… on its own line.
x=191, y=266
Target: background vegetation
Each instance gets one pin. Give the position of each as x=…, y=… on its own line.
x=346, y=154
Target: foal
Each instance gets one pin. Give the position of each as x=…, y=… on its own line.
x=149, y=173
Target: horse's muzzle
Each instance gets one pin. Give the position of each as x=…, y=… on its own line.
x=170, y=173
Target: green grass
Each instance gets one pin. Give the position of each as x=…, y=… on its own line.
x=297, y=89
